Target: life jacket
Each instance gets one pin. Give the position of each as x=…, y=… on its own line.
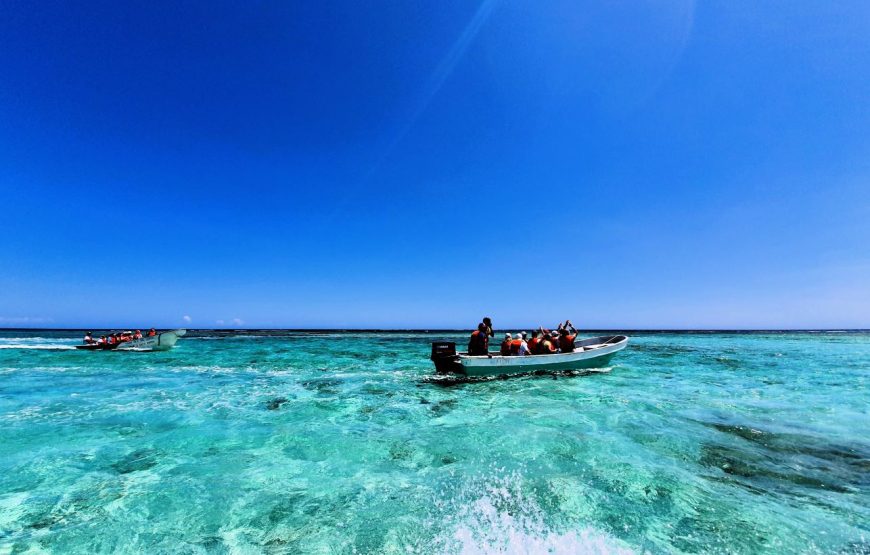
x=515, y=346
x=566, y=343
x=110, y=340
x=506, y=347
x=533, y=345
x=546, y=347
x=477, y=345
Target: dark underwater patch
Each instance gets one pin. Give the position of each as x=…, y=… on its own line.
x=213, y=544
x=743, y=464
x=324, y=386
x=138, y=460
x=401, y=451
x=727, y=362
x=275, y=404
x=839, y=458
x=443, y=407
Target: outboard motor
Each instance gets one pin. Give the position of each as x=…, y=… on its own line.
x=445, y=358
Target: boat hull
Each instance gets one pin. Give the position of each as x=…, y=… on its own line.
x=594, y=352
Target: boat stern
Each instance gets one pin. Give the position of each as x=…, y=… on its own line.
x=445, y=358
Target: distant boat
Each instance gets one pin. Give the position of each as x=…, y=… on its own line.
x=589, y=353
x=163, y=341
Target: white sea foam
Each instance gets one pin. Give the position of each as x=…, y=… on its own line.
x=503, y=519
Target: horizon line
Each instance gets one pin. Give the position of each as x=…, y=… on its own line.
x=433, y=330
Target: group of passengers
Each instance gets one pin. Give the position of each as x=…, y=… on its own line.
x=542, y=342
x=116, y=338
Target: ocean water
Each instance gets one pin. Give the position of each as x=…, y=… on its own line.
x=343, y=443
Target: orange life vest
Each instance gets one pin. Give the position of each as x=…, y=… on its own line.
x=566, y=343
x=478, y=344
x=533, y=345
x=506, y=347
x=515, y=346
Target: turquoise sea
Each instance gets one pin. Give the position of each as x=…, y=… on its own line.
x=292, y=442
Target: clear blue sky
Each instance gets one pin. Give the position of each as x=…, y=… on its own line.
x=422, y=164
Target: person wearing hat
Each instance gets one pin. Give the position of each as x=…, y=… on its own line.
x=506, y=345
x=88, y=340
x=524, y=347
x=547, y=345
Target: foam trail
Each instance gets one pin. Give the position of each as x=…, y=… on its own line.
x=493, y=515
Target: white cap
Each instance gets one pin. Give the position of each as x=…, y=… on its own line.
x=524, y=334
x=507, y=336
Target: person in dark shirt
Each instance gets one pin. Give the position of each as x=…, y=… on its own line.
x=488, y=323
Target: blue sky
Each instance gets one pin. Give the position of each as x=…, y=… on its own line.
x=422, y=164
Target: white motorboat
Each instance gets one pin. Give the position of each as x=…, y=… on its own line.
x=163, y=341
x=594, y=352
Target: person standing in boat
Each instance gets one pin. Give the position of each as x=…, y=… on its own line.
x=488, y=323
x=478, y=345
x=567, y=335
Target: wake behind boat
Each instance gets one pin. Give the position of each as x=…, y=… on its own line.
x=162, y=341
x=594, y=352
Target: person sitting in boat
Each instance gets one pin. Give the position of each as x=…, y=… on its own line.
x=567, y=335
x=88, y=340
x=533, y=343
x=152, y=332
x=137, y=335
x=519, y=347
x=546, y=346
x=110, y=339
x=506, y=345
x=478, y=345
x=102, y=340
